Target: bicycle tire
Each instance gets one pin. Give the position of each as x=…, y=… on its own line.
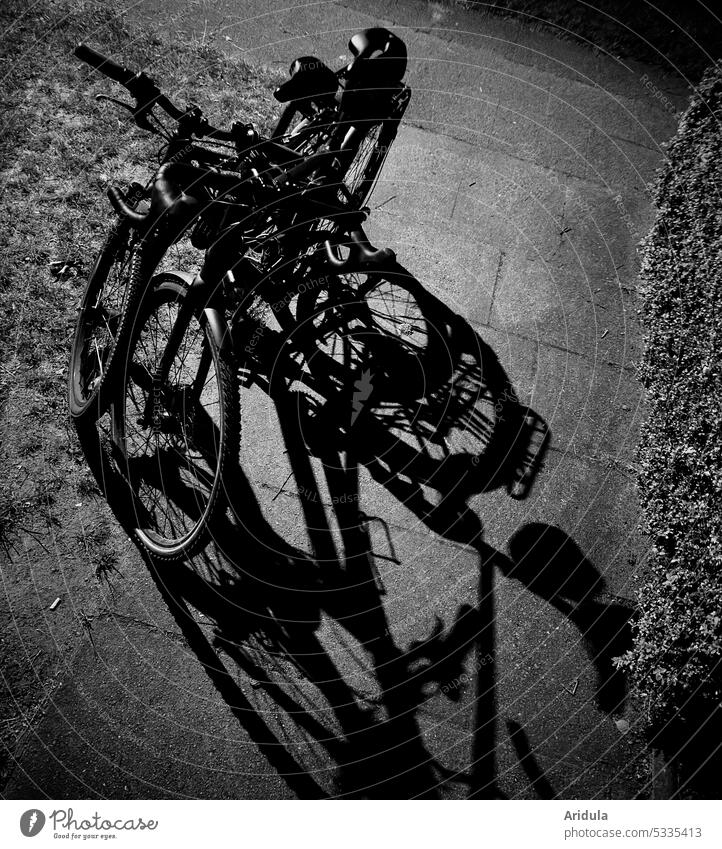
x=113, y=282
x=180, y=456
x=120, y=276
x=360, y=175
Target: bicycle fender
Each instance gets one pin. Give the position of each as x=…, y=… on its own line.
x=186, y=277
x=217, y=324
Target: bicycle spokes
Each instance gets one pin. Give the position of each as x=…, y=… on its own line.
x=172, y=423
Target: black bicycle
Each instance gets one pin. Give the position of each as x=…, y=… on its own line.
x=332, y=120
x=317, y=314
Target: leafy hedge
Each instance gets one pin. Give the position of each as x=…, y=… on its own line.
x=677, y=658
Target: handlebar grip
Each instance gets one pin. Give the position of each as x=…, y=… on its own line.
x=362, y=254
x=121, y=206
x=104, y=64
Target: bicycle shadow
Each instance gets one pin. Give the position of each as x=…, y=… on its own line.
x=265, y=610
x=467, y=434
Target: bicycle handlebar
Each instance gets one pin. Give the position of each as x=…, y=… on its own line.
x=104, y=65
x=177, y=185
x=140, y=86
x=146, y=93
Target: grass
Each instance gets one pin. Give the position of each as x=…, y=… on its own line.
x=683, y=38
x=59, y=149
x=677, y=658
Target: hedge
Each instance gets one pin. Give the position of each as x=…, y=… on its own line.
x=676, y=659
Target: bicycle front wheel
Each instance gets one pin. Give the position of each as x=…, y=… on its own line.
x=100, y=318
x=119, y=278
x=178, y=422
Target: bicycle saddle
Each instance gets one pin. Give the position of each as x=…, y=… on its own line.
x=310, y=79
x=379, y=59
x=374, y=74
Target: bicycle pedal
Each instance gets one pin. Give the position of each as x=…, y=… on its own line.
x=246, y=377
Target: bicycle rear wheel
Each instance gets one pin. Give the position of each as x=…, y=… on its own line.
x=177, y=425
x=368, y=160
x=361, y=175
x=311, y=135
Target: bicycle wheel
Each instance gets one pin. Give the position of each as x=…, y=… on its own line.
x=101, y=309
x=177, y=425
x=361, y=175
x=120, y=276
x=311, y=136
x=367, y=162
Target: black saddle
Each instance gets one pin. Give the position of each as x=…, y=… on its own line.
x=378, y=64
x=310, y=79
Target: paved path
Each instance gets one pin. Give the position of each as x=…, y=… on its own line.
x=516, y=194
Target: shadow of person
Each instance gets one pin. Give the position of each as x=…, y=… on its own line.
x=550, y=564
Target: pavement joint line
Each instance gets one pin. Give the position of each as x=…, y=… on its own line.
x=151, y=626
x=560, y=71
x=630, y=369
x=601, y=457
x=659, y=150
x=456, y=197
x=419, y=124
x=497, y=277
x=576, y=176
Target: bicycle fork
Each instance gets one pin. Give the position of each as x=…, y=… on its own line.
x=190, y=305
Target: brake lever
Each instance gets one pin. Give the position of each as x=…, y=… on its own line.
x=129, y=106
x=139, y=113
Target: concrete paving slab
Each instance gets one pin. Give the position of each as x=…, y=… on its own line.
x=533, y=300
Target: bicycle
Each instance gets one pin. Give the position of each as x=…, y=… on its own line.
x=127, y=259
x=175, y=424
x=126, y=262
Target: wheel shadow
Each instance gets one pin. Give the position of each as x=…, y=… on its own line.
x=283, y=615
